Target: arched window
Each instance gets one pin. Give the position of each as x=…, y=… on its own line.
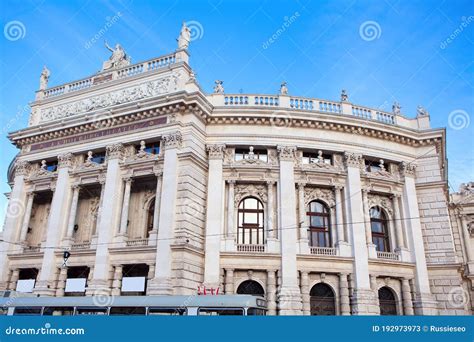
x=319, y=234
x=387, y=302
x=150, y=217
x=251, y=287
x=250, y=222
x=379, y=226
x=322, y=300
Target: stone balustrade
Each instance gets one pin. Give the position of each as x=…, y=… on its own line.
x=102, y=77
x=388, y=255
x=251, y=248
x=323, y=251
x=306, y=104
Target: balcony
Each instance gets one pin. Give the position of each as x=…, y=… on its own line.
x=251, y=248
x=331, y=251
x=31, y=249
x=388, y=255
x=137, y=242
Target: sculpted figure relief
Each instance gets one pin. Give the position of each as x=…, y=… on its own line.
x=184, y=37
x=44, y=78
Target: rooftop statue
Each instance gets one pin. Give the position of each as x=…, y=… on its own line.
x=219, y=88
x=184, y=37
x=344, y=96
x=421, y=111
x=118, y=59
x=396, y=108
x=283, y=89
x=44, y=78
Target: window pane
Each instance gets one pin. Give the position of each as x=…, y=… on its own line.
x=317, y=221
x=251, y=203
x=250, y=218
x=254, y=236
x=246, y=236
x=317, y=207
x=376, y=227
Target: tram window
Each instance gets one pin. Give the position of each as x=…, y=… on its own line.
x=3, y=310
x=220, y=312
x=166, y=311
x=128, y=310
x=91, y=311
x=59, y=311
x=255, y=312
x=24, y=310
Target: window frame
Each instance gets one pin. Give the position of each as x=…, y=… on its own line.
x=325, y=229
x=383, y=236
x=242, y=227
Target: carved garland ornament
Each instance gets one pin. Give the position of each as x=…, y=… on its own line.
x=353, y=159
x=408, y=169
x=173, y=140
x=215, y=151
x=287, y=153
x=382, y=202
x=250, y=190
x=114, y=151
x=325, y=195
x=144, y=90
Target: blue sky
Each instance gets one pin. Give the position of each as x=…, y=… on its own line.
x=413, y=52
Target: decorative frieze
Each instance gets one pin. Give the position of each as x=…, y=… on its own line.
x=286, y=153
x=114, y=151
x=325, y=195
x=22, y=168
x=139, y=92
x=173, y=140
x=250, y=190
x=216, y=151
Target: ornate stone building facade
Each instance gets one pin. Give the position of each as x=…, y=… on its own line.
x=323, y=207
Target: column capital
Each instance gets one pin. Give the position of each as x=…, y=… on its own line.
x=408, y=169
x=286, y=153
x=301, y=185
x=231, y=181
x=128, y=179
x=159, y=173
x=114, y=151
x=352, y=159
x=65, y=160
x=216, y=151
x=270, y=182
x=172, y=140
x=76, y=186
x=396, y=195
x=338, y=187
x=31, y=193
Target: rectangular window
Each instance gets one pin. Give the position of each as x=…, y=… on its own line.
x=91, y=311
x=59, y=311
x=133, y=284
x=311, y=158
x=75, y=285
x=98, y=157
x=128, y=310
x=166, y=311
x=52, y=166
x=25, y=285
x=25, y=310
x=152, y=148
x=372, y=165
x=220, y=312
x=247, y=154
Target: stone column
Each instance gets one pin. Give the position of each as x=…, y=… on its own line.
x=109, y=220
x=61, y=282
x=401, y=247
x=229, y=281
x=305, y=293
x=161, y=283
x=289, y=295
x=125, y=208
x=406, y=295
x=117, y=282
x=271, y=292
x=271, y=227
x=27, y=216
x=156, y=210
x=72, y=213
x=214, y=218
x=344, y=295
x=364, y=300
x=368, y=228
x=13, y=279
x=231, y=236
x=424, y=303
x=13, y=218
x=303, y=227
x=57, y=222
x=342, y=244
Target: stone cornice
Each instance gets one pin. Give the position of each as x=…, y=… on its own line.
x=347, y=124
